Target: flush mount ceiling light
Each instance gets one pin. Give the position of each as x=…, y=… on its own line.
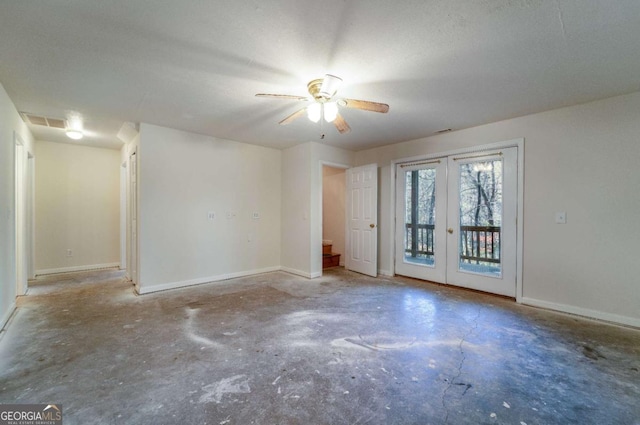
x=322, y=91
x=74, y=128
x=74, y=134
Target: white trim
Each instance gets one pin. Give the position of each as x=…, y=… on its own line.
x=7, y=316
x=140, y=289
x=520, y=222
x=301, y=273
x=392, y=219
x=77, y=268
x=519, y=143
x=583, y=312
x=385, y=273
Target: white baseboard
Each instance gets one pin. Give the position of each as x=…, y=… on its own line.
x=385, y=273
x=77, y=268
x=297, y=272
x=584, y=312
x=7, y=315
x=142, y=289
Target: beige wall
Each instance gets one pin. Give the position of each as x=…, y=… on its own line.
x=182, y=176
x=77, y=207
x=581, y=160
x=333, y=204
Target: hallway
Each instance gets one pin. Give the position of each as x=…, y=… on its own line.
x=341, y=349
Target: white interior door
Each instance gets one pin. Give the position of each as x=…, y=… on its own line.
x=456, y=220
x=421, y=246
x=362, y=220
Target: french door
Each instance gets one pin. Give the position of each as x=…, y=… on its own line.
x=456, y=220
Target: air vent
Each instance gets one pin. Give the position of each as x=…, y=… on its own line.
x=44, y=121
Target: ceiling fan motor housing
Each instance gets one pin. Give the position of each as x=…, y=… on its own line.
x=314, y=90
x=323, y=89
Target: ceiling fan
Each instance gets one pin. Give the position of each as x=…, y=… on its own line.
x=324, y=106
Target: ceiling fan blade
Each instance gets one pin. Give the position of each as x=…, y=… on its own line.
x=282, y=96
x=296, y=114
x=341, y=125
x=365, y=105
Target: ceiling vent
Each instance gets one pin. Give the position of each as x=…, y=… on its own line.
x=44, y=121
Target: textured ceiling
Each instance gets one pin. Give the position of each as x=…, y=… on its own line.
x=196, y=65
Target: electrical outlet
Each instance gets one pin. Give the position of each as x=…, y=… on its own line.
x=230, y=215
x=256, y=216
x=69, y=253
x=561, y=217
x=211, y=215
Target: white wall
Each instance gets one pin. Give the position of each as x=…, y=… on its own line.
x=333, y=204
x=581, y=160
x=182, y=176
x=10, y=125
x=296, y=207
x=77, y=207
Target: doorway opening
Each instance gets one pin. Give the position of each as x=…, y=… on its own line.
x=333, y=216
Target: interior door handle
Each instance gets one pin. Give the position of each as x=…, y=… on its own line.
x=450, y=230
x=372, y=225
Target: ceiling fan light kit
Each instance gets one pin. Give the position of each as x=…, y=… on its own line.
x=314, y=111
x=330, y=111
x=322, y=91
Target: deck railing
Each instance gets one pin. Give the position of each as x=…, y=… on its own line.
x=477, y=243
x=480, y=244
x=419, y=239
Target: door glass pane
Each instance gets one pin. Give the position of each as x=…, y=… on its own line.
x=480, y=217
x=419, y=217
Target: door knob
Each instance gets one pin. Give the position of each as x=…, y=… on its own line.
x=372, y=225
x=450, y=230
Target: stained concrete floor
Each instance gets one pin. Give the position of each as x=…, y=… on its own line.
x=342, y=349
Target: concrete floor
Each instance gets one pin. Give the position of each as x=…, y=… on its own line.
x=342, y=349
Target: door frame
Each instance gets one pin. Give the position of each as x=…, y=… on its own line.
x=316, y=240
x=23, y=225
x=519, y=143
x=133, y=244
